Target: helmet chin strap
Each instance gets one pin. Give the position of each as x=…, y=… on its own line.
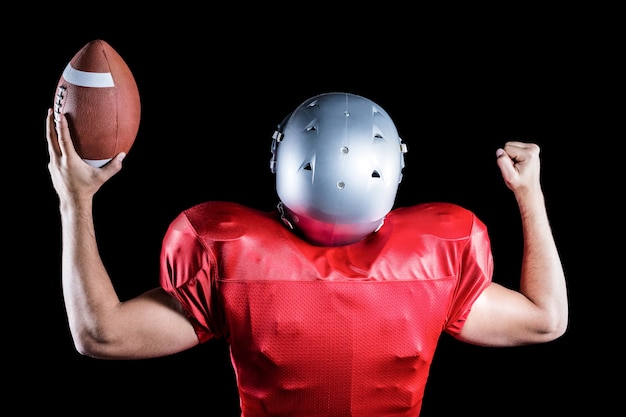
x=283, y=215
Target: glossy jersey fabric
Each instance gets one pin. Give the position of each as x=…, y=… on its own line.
x=327, y=331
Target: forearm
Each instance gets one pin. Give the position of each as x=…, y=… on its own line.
x=542, y=277
x=87, y=289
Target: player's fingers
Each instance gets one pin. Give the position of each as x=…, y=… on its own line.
x=503, y=159
x=519, y=163
x=113, y=166
x=51, y=136
x=519, y=152
x=507, y=166
x=64, y=138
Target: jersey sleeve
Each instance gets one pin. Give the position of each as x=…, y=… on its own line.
x=475, y=274
x=187, y=274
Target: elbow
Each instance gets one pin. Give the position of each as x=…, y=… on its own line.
x=87, y=346
x=561, y=328
x=84, y=350
x=92, y=344
x=556, y=332
x=555, y=325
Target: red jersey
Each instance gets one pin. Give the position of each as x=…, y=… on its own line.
x=327, y=331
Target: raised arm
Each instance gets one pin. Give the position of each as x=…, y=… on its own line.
x=101, y=325
x=539, y=311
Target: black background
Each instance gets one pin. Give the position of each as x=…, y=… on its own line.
x=215, y=84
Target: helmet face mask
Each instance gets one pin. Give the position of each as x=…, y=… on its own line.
x=338, y=162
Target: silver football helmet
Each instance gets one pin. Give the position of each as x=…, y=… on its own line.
x=338, y=162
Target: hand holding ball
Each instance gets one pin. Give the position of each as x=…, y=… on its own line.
x=98, y=94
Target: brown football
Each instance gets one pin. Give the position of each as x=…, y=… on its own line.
x=98, y=94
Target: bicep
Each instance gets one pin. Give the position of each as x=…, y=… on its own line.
x=150, y=325
x=502, y=317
